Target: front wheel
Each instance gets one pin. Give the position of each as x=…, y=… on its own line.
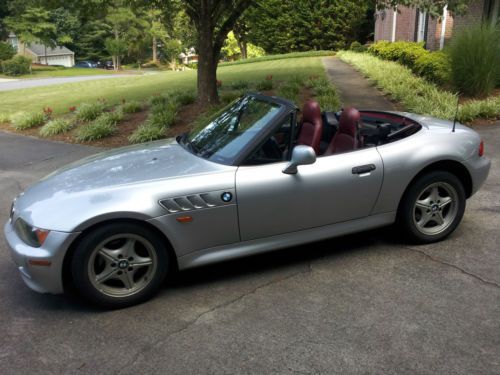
x=119, y=265
x=433, y=207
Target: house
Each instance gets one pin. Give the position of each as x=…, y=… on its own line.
x=189, y=57
x=59, y=55
x=415, y=25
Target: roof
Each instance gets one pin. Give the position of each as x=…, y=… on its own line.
x=39, y=50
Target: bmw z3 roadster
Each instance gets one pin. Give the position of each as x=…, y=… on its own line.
x=261, y=175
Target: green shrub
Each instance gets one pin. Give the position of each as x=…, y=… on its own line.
x=405, y=53
x=95, y=130
x=239, y=85
x=162, y=117
x=265, y=85
x=4, y=118
x=89, y=111
x=16, y=66
x=110, y=118
x=487, y=109
x=325, y=94
x=434, y=67
x=184, y=98
x=158, y=99
x=475, y=57
x=132, y=106
x=416, y=94
x=7, y=52
x=146, y=133
x=24, y=121
x=55, y=127
x=357, y=47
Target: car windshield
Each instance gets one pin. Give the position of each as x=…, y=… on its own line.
x=224, y=137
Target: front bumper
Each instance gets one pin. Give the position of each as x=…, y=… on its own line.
x=40, y=278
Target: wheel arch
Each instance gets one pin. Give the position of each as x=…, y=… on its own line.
x=451, y=166
x=66, y=271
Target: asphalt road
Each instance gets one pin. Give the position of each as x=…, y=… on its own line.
x=367, y=303
x=37, y=82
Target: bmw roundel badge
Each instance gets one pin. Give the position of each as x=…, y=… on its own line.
x=226, y=196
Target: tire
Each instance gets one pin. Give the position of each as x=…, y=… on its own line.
x=432, y=207
x=119, y=265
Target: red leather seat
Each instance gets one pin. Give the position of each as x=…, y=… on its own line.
x=346, y=138
x=311, y=126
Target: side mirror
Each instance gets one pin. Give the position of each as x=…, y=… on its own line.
x=301, y=155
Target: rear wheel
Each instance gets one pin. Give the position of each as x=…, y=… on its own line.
x=119, y=264
x=433, y=207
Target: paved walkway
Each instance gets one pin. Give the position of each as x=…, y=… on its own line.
x=28, y=83
x=354, y=89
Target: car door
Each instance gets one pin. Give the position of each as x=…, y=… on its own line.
x=334, y=189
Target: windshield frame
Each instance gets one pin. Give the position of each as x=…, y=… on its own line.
x=285, y=108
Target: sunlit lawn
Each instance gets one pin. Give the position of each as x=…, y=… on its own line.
x=61, y=97
x=43, y=72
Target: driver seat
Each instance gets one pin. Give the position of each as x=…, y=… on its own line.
x=346, y=138
x=311, y=126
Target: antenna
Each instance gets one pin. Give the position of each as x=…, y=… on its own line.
x=456, y=114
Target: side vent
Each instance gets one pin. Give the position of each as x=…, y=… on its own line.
x=193, y=202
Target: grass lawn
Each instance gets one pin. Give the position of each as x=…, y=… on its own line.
x=46, y=72
x=61, y=97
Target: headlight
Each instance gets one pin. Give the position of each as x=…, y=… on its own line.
x=33, y=236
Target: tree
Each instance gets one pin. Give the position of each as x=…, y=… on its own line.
x=6, y=51
x=117, y=48
x=434, y=7
x=281, y=26
x=213, y=20
x=34, y=25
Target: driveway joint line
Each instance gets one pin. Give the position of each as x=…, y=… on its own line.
x=443, y=262
x=215, y=308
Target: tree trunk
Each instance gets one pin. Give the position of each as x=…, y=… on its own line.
x=243, y=48
x=207, y=66
x=46, y=62
x=155, y=52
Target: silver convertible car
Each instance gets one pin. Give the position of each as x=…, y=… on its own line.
x=261, y=175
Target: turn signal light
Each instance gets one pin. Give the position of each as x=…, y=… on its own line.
x=481, y=148
x=184, y=219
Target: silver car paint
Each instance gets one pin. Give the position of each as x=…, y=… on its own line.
x=130, y=183
x=271, y=202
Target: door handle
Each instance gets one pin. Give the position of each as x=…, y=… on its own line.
x=363, y=169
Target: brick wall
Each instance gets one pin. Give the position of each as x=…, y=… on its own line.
x=474, y=15
x=383, y=25
x=405, y=25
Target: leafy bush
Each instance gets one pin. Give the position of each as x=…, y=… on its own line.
x=265, y=85
x=434, y=67
x=110, y=118
x=4, y=118
x=289, y=91
x=7, y=52
x=416, y=94
x=184, y=98
x=405, y=53
x=158, y=99
x=89, y=111
x=488, y=109
x=357, y=47
x=325, y=94
x=16, y=66
x=228, y=97
x=240, y=85
x=24, y=121
x=55, y=127
x=94, y=130
x=475, y=56
x=146, y=133
x=161, y=116
x=130, y=107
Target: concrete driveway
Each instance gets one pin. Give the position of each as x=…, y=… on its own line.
x=9, y=85
x=367, y=303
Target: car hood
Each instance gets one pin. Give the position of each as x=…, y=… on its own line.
x=122, y=180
